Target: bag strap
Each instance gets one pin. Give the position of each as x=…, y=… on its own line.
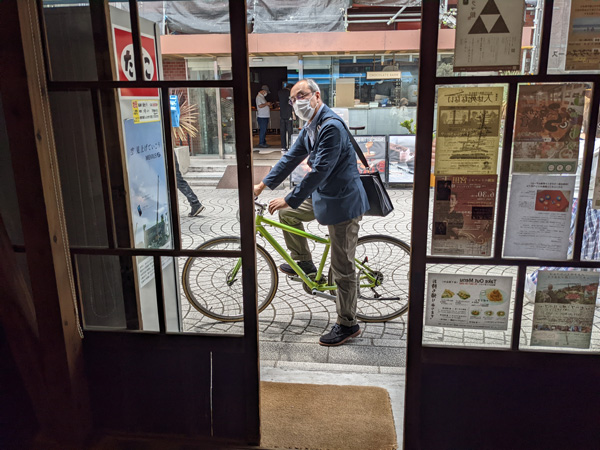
x=357, y=149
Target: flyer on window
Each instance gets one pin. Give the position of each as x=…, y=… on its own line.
x=373, y=147
x=539, y=216
x=583, y=46
x=563, y=314
x=468, y=301
x=488, y=35
x=401, y=157
x=596, y=194
x=468, y=130
x=463, y=215
x=547, y=128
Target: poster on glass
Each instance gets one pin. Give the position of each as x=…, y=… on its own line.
x=596, y=181
x=583, y=46
x=539, y=216
x=148, y=192
x=463, y=215
x=401, y=159
x=547, y=128
x=563, y=314
x=488, y=35
x=373, y=147
x=468, y=301
x=468, y=130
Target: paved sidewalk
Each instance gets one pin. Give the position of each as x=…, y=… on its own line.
x=291, y=326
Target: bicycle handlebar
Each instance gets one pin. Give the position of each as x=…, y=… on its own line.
x=260, y=207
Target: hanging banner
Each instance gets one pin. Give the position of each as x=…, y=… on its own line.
x=463, y=215
x=126, y=66
x=468, y=301
x=565, y=303
x=547, y=128
x=539, y=216
x=583, y=46
x=488, y=35
x=468, y=130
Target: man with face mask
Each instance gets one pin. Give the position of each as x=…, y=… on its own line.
x=338, y=200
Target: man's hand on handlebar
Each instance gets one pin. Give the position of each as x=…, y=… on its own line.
x=277, y=204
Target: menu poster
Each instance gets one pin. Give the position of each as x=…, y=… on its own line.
x=463, y=215
x=488, y=35
x=539, y=216
x=468, y=301
x=468, y=130
x=563, y=313
x=547, y=128
x=401, y=157
x=373, y=147
x=583, y=46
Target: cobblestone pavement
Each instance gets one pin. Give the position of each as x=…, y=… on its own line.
x=290, y=327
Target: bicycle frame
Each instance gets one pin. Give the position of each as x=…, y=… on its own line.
x=316, y=284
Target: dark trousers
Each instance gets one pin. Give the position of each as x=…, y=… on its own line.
x=263, y=123
x=184, y=187
x=285, y=127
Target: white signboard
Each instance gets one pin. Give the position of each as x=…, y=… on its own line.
x=539, y=216
x=468, y=301
x=488, y=35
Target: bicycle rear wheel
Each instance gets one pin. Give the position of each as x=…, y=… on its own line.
x=387, y=260
x=210, y=287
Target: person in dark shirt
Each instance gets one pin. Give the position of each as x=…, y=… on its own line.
x=286, y=116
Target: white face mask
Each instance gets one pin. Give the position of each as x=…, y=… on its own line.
x=304, y=109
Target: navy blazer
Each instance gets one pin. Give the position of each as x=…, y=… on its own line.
x=334, y=182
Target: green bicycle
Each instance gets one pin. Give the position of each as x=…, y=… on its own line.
x=214, y=287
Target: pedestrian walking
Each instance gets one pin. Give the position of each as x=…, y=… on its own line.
x=186, y=190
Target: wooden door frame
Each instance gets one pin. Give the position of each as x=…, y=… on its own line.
x=70, y=363
x=438, y=374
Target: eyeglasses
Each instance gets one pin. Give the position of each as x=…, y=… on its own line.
x=298, y=96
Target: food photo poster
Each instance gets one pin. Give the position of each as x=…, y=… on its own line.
x=547, y=128
x=539, y=216
x=468, y=301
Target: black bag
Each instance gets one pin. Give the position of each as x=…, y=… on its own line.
x=381, y=204
x=379, y=200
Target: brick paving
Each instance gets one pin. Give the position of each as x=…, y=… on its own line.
x=292, y=323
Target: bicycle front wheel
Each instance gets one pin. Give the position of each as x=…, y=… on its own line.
x=382, y=277
x=214, y=285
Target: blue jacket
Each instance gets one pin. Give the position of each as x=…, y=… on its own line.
x=334, y=181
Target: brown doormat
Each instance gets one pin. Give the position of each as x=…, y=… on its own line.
x=326, y=417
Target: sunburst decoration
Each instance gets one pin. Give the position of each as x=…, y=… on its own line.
x=188, y=119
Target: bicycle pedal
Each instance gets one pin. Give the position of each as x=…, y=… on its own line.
x=294, y=278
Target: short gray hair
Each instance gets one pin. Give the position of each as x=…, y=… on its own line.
x=312, y=84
